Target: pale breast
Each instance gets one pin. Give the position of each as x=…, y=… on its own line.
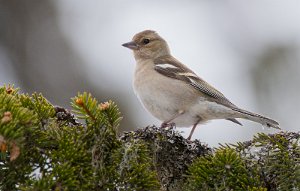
x=162, y=96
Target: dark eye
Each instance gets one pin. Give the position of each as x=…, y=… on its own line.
x=146, y=41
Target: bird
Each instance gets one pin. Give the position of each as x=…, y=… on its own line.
x=175, y=94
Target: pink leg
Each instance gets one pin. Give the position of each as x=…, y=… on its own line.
x=193, y=129
x=167, y=123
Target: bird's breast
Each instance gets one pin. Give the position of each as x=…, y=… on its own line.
x=162, y=96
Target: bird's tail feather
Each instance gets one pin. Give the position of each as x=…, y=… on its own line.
x=257, y=118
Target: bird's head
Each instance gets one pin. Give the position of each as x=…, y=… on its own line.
x=148, y=45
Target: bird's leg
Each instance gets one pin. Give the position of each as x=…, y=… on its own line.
x=168, y=124
x=193, y=129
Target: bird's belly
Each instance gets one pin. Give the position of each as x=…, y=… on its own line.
x=165, y=111
x=165, y=99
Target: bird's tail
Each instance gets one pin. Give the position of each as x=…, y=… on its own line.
x=257, y=118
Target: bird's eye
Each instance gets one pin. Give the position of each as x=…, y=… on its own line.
x=146, y=41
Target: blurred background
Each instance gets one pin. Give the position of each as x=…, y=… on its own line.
x=249, y=51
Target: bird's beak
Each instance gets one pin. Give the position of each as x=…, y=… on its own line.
x=131, y=45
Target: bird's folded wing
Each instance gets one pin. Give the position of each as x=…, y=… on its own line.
x=172, y=68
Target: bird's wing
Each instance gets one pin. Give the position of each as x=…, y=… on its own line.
x=170, y=67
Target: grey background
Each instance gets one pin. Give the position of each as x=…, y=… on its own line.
x=247, y=50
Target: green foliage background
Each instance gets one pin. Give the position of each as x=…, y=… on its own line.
x=43, y=147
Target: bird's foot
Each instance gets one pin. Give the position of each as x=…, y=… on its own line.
x=168, y=125
x=189, y=139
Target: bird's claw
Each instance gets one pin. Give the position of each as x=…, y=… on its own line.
x=166, y=125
